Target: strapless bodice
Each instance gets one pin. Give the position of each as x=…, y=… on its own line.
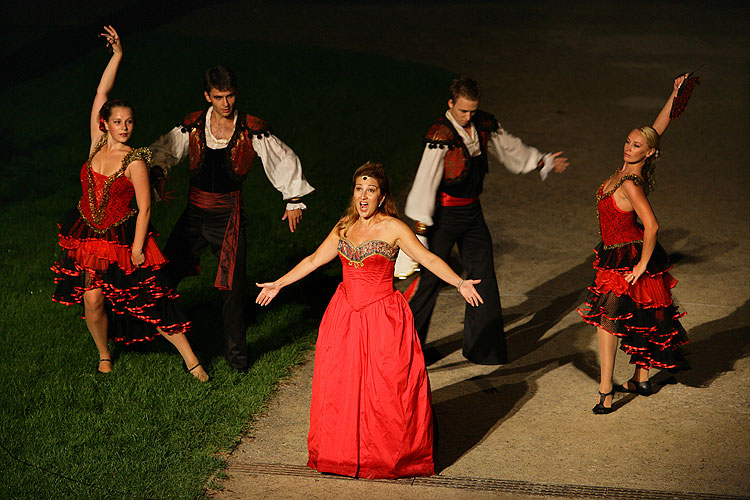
x=367, y=270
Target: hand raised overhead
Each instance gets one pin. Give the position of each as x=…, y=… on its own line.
x=113, y=39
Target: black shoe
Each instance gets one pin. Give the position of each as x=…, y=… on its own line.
x=641, y=388
x=600, y=409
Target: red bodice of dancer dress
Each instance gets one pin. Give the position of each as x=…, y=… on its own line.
x=616, y=227
x=106, y=200
x=97, y=239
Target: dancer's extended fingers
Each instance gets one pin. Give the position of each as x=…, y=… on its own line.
x=112, y=32
x=294, y=217
x=262, y=298
x=474, y=291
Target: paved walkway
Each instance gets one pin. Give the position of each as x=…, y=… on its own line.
x=576, y=77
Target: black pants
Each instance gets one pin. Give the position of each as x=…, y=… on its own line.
x=484, y=338
x=196, y=230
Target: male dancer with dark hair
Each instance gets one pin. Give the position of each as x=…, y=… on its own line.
x=444, y=202
x=222, y=143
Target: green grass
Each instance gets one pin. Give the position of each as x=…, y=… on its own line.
x=148, y=430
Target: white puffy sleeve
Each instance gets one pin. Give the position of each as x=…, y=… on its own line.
x=170, y=149
x=516, y=156
x=283, y=169
x=420, y=204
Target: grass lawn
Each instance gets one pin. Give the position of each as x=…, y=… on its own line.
x=149, y=430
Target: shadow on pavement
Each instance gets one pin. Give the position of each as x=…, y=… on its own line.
x=718, y=345
x=527, y=338
x=469, y=410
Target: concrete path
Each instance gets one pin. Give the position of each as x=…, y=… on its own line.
x=578, y=77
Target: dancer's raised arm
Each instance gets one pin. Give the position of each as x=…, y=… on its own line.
x=662, y=120
x=107, y=81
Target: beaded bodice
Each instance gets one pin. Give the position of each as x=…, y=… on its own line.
x=106, y=200
x=367, y=270
x=617, y=228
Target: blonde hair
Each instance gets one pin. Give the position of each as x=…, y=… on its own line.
x=652, y=140
x=387, y=207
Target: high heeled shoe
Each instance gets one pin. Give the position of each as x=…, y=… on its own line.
x=600, y=409
x=641, y=388
x=199, y=377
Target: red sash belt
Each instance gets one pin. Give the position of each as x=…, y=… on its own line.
x=447, y=200
x=228, y=255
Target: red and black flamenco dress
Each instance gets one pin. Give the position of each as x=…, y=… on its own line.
x=643, y=314
x=96, y=240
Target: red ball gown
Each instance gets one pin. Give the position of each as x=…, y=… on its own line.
x=371, y=410
x=643, y=314
x=96, y=240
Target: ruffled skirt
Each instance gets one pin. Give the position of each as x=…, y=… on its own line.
x=138, y=299
x=643, y=315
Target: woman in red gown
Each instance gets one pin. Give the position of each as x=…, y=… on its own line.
x=630, y=298
x=371, y=412
x=110, y=262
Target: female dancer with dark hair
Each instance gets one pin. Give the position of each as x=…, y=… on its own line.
x=110, y=262
x=631, y=297
x=371, y=413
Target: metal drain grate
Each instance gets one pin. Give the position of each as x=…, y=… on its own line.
x=488, y=484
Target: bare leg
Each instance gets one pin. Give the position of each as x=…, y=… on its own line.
x=97, y=322
x=607, y=351
x=641, y=374
x=180, y=341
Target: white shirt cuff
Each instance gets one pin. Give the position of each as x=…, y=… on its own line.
x=549, y=162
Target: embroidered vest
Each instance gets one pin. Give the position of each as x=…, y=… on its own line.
x=458, y=160
x=239, y=151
